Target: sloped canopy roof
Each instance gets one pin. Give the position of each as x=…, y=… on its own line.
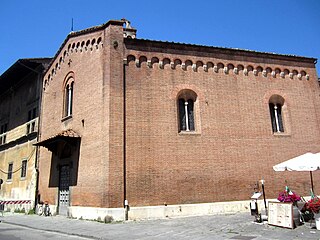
x=67, y=136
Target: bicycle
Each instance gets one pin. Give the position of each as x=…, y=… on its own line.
x=44, y=209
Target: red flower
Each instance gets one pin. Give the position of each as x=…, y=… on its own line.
x=313, y=205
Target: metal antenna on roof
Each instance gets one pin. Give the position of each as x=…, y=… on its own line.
x=71, y=24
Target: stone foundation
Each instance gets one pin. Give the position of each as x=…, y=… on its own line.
x=158, y=212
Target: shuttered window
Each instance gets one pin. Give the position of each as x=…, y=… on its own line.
x=10, y=168
x=24, y=169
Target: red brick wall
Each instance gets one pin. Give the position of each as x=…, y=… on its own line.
x=113, y=78
x=235, y=146
x=88, y=119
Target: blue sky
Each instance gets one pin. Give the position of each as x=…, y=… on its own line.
x=36, y=28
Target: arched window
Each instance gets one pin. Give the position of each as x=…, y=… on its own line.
x=69, y=99
x=276, y=103
x=68, y=96
x=186, y=105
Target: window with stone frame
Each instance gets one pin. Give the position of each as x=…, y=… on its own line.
x=10, y=171
x=68, y=97
x=24, y=168
x=276, y=103
x=186, y=110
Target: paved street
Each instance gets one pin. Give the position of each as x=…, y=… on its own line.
x=238, y=226
x=14, y=232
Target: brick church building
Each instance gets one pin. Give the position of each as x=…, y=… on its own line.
x=140, y=128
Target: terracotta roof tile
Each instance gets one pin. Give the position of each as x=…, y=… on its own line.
x=66, y=133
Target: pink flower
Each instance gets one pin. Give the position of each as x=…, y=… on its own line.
x=286, y=196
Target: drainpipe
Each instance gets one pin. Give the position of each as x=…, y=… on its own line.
x=36, y=164
x=125, y=201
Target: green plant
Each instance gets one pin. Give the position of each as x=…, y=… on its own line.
x=31, y=211
x=17, y=210
x=106, y=219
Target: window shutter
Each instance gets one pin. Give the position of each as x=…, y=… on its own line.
x=273, y=118
x=71, y=98
x=191, y=115
x=279, y=112
x=10, y=167
x=182, y=115
x=24, y=168
x=66, y=100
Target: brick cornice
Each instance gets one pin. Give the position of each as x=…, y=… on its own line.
x=215, y=66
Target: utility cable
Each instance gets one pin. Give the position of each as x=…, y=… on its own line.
x=18, y=169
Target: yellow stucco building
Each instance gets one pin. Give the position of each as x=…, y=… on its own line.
x=20, y=94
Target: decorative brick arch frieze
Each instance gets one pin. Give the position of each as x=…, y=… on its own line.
x=70, y=48
x=216, y=67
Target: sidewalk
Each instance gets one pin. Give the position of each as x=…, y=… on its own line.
x=238, y=226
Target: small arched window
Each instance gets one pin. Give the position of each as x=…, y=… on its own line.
x=276, y=103
x=68, y=96
x=186, y=105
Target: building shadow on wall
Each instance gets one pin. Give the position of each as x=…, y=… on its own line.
x=65, y=154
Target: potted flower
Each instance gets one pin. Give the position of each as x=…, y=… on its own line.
x=313, y=205
x=288, y=196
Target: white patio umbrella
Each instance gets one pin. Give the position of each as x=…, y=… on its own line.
x=307, y=162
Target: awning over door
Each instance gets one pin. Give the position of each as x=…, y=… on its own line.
x=68, y=136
